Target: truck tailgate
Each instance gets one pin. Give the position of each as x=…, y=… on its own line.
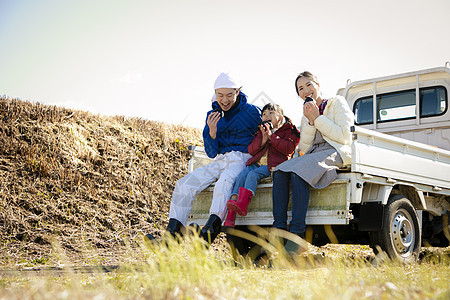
x=326, y=206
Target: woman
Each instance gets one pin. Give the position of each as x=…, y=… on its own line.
x=325, y=142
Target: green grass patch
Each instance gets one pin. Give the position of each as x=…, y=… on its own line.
x=191, y=270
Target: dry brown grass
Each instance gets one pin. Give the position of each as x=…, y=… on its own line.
x=83, y=181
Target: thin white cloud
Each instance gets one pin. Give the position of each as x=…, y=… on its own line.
x=129, y=78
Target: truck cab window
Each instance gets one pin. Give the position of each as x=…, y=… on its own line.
x=401, y=105
x=364, y=110
x=433, y=101
x=396, y=106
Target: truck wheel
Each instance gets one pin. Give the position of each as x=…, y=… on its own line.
x=400, y=235
x=243, y=246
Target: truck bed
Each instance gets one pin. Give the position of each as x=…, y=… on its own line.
x=377, y=159
x=327, y=205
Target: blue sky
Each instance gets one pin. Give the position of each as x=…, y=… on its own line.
x=158, y=59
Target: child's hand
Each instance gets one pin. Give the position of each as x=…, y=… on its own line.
x=266, y=133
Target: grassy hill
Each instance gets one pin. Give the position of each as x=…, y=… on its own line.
x=83, y=181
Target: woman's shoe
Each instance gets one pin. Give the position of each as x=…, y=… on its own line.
x=293, y=248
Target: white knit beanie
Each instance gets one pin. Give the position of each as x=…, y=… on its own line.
x=225, y=80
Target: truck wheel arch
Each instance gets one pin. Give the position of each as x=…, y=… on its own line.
x=380, y=193
x=374, y=192
x=416, y=197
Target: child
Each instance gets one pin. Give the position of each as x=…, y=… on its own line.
x=273, y=144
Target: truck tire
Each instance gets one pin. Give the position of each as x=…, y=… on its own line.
x=400, y=234
x=242, y=248
x=242, y=245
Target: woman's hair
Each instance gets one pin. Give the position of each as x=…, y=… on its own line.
x=308, y=74
x=276, y=108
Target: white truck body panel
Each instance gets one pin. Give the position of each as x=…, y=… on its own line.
x=431, y=130
x=387, y=156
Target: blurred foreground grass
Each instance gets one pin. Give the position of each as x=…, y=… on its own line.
x=192, y=271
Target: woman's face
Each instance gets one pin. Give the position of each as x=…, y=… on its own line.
x=308, y=88
x=275, y=118
x=226, y=98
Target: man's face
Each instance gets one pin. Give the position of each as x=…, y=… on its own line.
x=226, y=98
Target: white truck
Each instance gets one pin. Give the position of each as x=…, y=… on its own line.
x=395, y=195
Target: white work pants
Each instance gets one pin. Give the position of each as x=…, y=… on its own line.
x=225, y=167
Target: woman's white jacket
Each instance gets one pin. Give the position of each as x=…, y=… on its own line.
x=334, y=125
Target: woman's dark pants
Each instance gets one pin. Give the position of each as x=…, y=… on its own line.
x=300, y=199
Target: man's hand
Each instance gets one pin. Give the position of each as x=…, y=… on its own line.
x=212, y=121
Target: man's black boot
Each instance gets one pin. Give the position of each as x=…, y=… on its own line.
x=211, y=229
x=194, y=229
x=174, y=228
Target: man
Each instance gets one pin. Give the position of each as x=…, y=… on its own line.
x=229, y=129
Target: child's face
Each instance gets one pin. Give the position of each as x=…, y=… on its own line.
x=275, y=118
